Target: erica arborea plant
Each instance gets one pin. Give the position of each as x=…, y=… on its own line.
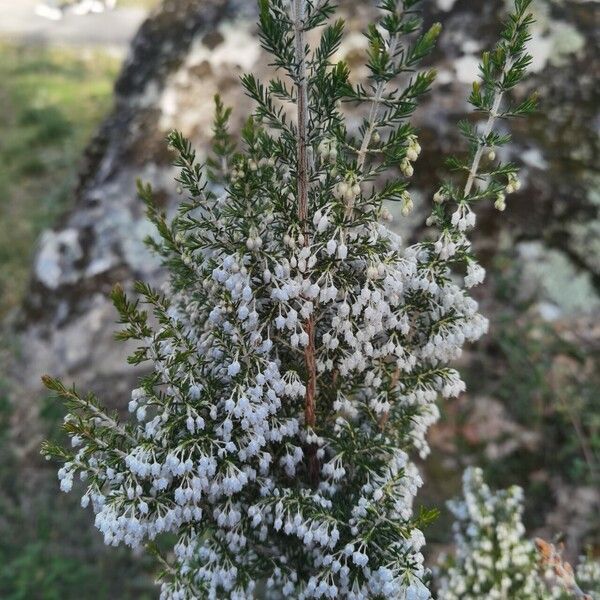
x=300, y=347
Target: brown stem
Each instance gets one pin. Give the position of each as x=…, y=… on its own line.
x=386, y=415
x=302, y=107
x=311, y=367
x=299, y=8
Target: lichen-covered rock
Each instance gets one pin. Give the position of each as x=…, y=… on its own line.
x=183, y=54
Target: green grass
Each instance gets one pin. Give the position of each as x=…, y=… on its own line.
x=52, y=101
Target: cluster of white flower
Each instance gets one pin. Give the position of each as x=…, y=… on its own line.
x=327, y=150
x=493, y=558
x=513, y=185
x=348, y=190
x=475, y=274
x=464, y=217
x=220, y=422
x=588, y=576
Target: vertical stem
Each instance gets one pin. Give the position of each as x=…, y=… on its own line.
x=487, y=130
x=374, y=110
x=311, y=367
x=299, y=9
x=509, y=62
x=302, y=106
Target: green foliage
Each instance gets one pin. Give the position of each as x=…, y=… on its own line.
x=501, y=69
x=493, y=557
x=49, y=552
x=549, y=383
x=28, y=570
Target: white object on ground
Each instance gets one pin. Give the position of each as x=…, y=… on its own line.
x=49, y=12
x=93, y=6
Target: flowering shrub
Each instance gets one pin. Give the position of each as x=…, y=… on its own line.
x=493, y=557
x=300, y=345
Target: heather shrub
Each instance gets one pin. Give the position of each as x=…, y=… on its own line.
x=300, y=347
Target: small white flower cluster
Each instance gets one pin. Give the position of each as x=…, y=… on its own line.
x=464, y=217
x=413, y=150
x=347, y=190
x=406, y=203
x=587, y=575
x=454, y=241
x=513, y=185
x=493, y=558
x=327, y=150
x=475, y=274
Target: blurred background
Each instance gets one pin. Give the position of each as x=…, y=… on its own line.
x=88, y=93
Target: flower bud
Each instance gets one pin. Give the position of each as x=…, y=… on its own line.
x=407, y=204
x=500, y=203
x=406, y=168
x=439, y=196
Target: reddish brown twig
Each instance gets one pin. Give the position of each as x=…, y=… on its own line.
x=299, y=9
x=385, y=416
x=551, y=560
